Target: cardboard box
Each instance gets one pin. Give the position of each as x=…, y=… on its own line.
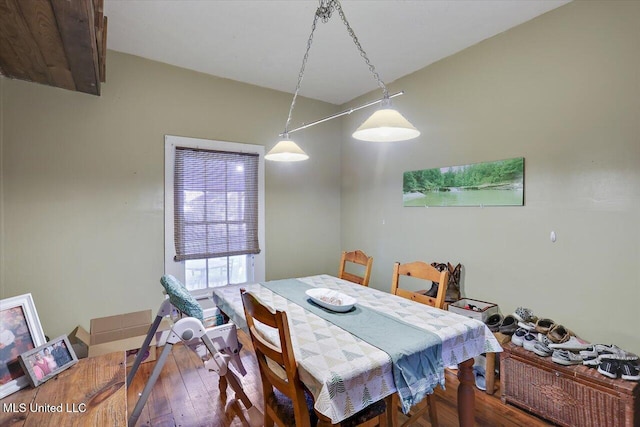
x=486, y=309
x=123, y=332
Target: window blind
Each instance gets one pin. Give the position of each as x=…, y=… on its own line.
x=216, y=203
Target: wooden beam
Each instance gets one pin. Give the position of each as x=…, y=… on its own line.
x=101, y=37
x=76, y=23
x=20, y=56
x=42, y=24
x=102, y=59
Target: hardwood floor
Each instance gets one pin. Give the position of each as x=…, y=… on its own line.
x=187, y=395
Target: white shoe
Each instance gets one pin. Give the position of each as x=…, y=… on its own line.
x=564, y=357
x=518, y=336
x=527, y=325
x=573, y=343
x=529, y=341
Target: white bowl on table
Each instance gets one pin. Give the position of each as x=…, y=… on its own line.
x=331, y=300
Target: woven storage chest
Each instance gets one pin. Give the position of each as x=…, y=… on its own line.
x=576, y=396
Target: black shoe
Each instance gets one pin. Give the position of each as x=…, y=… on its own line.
x=609, y=368
x=494, y=321
x=630, y=371
x=509, y=325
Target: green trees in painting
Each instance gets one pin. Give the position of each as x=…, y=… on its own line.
x=480, y=175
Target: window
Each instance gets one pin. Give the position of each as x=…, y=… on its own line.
x=214, y=212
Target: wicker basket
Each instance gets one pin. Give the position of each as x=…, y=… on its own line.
x=567, y=395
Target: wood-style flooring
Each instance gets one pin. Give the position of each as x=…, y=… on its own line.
x=187, y=395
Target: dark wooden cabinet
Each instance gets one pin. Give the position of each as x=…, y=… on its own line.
x=576, y=396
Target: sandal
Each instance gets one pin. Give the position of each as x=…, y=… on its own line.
x=559, y=334
x=544, y=325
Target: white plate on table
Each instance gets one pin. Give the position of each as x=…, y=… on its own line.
x=331, y=300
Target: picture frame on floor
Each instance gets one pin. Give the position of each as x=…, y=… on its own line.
x=20, y=331
x=48, y=360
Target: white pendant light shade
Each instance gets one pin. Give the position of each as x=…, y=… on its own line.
x=286, y=151
x=386, y=125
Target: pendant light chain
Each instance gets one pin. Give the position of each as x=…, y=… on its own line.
x=362, y=52
x=301, y=73
x=324, y=12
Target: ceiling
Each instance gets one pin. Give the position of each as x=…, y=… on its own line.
x=263, y=42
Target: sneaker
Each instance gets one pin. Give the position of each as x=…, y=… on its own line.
x=544, y=339
x=609, y=368
x=529, y=326
x=617, y=353
x=479, y=373
x=565, y=357
x=523, y=314
x=589, y=353
x=494, y=321
x=592, y=362
x=518, y=337
x=573, y=343
x=629, y=371
x=541, y=349
x=529, y=341
x=508, y=325
x=543, y=326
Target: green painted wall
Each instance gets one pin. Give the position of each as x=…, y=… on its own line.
x=562, y=91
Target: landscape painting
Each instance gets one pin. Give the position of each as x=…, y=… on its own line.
x=499, y=183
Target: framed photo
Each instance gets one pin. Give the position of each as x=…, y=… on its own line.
x=48, y=360
x=20, y=331
x=497, y=183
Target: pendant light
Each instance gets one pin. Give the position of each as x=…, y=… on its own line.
x=385, y=125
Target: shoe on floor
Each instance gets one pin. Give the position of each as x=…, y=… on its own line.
x=565, y=357
x=479, y=373
x=508, y=325
x=573, y=343
x=609, y=368
x=629, y=371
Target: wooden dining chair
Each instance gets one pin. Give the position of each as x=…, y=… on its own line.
x=421, y=270
x=287, y=402
x=355, y=257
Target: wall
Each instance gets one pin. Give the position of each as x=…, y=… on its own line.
x=562, y=91
x=83, y=184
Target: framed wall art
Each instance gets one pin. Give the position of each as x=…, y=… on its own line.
x=498, y=183
x=20, y=331
x=47, y=360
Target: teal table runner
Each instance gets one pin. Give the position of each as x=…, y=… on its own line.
x=416, y=354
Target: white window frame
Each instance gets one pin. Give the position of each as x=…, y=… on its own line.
x=176, y=268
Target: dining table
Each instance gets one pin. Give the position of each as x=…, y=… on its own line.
x=383, y=346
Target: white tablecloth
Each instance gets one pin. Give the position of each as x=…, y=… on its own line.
x=344, y=373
